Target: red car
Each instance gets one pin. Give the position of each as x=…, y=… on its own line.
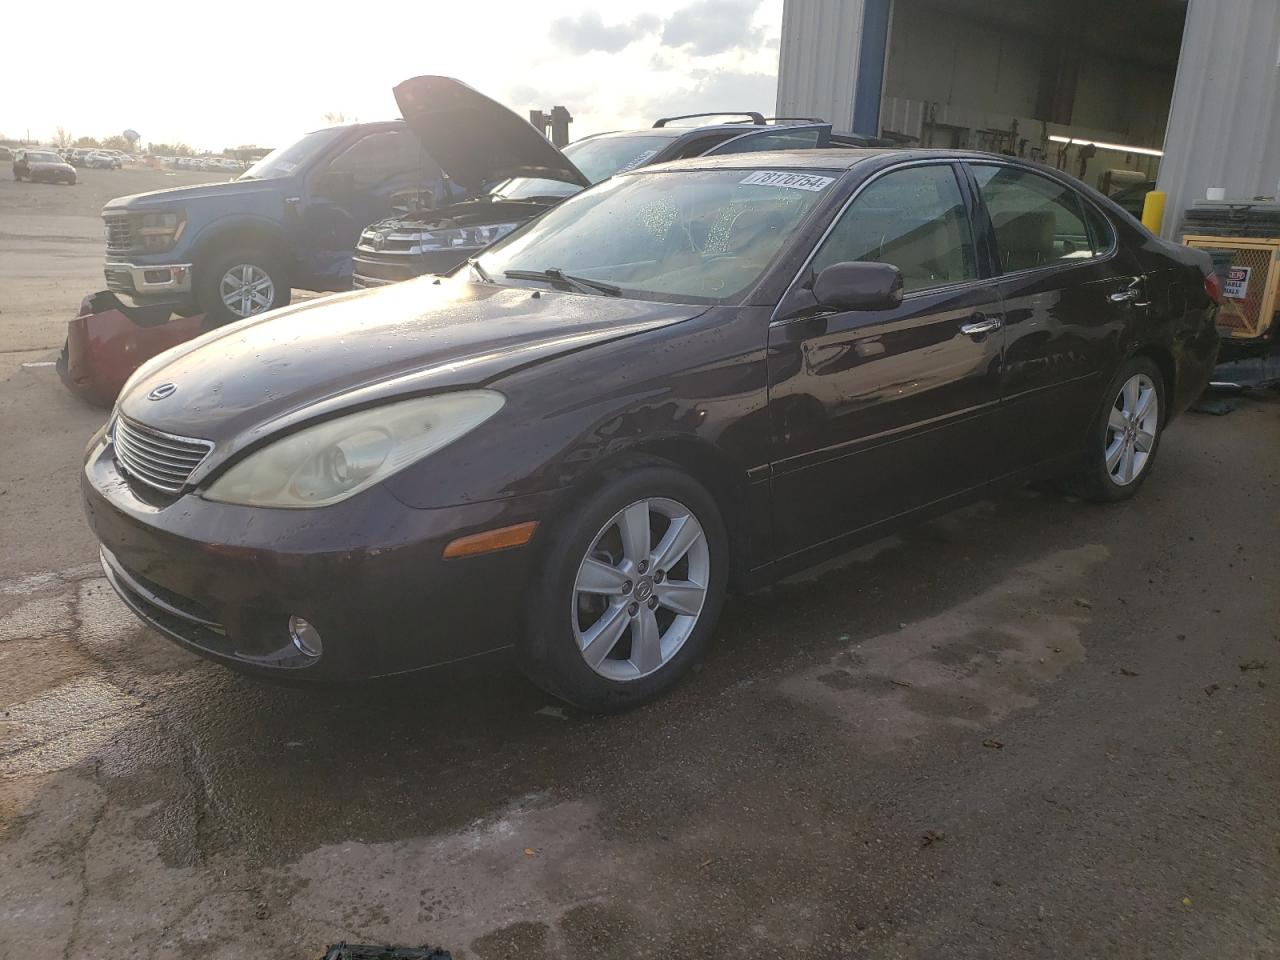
x=43, y=165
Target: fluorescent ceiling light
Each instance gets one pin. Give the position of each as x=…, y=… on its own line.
x=1106, y=146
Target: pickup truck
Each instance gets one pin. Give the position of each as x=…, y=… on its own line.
x=234, y=249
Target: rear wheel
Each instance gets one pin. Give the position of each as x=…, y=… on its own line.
x=242, y=282
x=1126, y=436
x=628, y=592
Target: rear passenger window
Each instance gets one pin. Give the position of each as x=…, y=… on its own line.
x=914, y=219
x=1101, y=233
x=1038, y=222
x=379, y=157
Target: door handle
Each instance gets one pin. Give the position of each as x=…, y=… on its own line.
x=1127, y=295
x=980, y=326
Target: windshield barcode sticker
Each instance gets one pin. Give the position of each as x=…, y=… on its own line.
x=796, y=181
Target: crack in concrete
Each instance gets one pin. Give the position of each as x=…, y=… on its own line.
x=77, y=917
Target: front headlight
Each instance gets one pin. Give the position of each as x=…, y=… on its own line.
x=450, y=237
x=160, y=231
x=337, y=459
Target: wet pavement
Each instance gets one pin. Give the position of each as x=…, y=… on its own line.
x=1032, y=728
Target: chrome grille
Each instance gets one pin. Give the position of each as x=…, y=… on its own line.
x=159, y=460
x=119, y=232
x=391, y=242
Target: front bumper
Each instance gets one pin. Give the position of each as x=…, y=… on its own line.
x=368, y=573
x=166, y=280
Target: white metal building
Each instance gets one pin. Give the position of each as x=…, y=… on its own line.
x=1183, y=92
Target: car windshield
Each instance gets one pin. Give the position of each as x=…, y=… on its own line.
x=599, y=158
x=285, y=161
x=697, y=236
x=43, y=158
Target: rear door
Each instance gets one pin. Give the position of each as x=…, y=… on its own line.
x=880, y=413
x=381, y=172
x=1069, y=293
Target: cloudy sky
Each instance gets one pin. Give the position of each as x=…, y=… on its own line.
x=218, y=74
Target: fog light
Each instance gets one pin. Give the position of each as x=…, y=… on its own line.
x=305, y=637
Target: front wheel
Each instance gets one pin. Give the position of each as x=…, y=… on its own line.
x=1126, y=435
x=240, y=283
x=628, y=591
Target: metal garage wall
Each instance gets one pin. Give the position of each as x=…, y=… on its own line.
x=818, y=59
x=1224, y=122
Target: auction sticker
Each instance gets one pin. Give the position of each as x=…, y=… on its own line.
x=781, y=178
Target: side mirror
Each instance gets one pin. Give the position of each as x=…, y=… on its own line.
x=336, y=185
x=858, y=286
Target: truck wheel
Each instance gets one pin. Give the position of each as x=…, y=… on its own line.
x=242, y=282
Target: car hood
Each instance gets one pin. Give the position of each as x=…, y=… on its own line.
x=174, y=196
x=475, y=139
x=243, y=382
x=48, y=165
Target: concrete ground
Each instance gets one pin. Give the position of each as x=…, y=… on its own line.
x=1034, y=728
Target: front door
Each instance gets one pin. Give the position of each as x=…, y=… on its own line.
x=372, y=179
x=877, y=414
x=1068, y=291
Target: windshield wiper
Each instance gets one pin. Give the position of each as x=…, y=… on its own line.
x=481, y=272
x=555, y=275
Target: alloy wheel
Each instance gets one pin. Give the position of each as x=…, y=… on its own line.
x=640, y=589
x=247, y=289
x=1131, y=429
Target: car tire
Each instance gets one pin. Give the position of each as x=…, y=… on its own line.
x=642, y=646
x=1125, y=436
x=261, y=264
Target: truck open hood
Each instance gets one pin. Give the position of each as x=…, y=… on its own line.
x=475, y=139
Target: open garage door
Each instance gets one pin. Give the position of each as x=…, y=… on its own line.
x=1084, y=86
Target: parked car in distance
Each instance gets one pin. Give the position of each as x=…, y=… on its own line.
x=690, y=378
x=42, y=165
x=100, y=160
x=236, y=248
x=516, y=174
x=5, y=154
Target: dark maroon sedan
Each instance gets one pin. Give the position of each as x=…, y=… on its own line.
x=37, y=165
x=689, y=379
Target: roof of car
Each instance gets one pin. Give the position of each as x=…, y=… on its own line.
x=676, y=132
x=831, y=158
x=826, y=159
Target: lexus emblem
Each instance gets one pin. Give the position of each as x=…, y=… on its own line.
x=162, y=391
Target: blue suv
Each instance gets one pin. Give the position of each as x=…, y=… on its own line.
x=235, y=249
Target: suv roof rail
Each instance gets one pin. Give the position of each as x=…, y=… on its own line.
x=755, y=118
x=794, y=119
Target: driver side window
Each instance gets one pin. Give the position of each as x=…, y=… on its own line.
x=380, y=157
x=914, y=219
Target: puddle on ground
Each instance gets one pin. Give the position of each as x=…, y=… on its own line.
x=965, y=667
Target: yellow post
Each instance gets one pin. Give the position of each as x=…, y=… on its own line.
x=1153, y=210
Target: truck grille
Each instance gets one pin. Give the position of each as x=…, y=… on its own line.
x=159, y=460
x=391, y=242
x=119, y=232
